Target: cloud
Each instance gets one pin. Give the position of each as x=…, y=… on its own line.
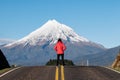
x=6, y=41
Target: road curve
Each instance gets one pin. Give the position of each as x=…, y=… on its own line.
x=61, y=73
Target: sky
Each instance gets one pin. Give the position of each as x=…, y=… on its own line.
x=96, y=20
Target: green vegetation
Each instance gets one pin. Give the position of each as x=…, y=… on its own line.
x=54, y=61
x=118, y=69
x=4, y=70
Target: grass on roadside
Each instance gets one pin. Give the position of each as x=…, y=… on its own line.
x=5, y=70
x=118, y=69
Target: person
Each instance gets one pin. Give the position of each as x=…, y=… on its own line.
x=60, y=48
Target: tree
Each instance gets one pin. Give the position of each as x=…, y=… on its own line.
x=54, y=61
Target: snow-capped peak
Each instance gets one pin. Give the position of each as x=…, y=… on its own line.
x=50, y=32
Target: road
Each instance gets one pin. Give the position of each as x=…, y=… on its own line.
x=90, y=73
x=31, y=73
x=61, y=73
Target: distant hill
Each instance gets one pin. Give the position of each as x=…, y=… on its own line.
x=104, y=58
x=3, y=61
x=5, y=41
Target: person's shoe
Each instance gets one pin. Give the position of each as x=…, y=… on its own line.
x=64, y=64
x=56, y=66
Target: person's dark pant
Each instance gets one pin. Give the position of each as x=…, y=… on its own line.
x=58, y=59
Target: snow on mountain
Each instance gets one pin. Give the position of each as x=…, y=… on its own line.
x=37, y=47
x=51, y=31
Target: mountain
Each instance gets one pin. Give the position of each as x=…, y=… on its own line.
x=37, y=47
x=50, y=32
x=105, y=58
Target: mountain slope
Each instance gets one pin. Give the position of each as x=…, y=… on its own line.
x=104, y=58
x=51, y=31
x=37, y=47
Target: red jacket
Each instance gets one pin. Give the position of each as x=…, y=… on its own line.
x=59, y=48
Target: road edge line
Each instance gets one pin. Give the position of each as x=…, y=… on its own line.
x=112, y=69
x=9, y=71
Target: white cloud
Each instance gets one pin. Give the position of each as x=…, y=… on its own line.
x=6, y=41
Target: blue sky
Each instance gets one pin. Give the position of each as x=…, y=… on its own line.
x=96, y=20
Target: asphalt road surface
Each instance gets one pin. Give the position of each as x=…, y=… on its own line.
x=90, y=73
x=61, y=73
x=31, y=73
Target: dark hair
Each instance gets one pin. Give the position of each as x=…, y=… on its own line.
x=59, y=40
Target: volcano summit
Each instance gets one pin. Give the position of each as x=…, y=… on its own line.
x=37, y=47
